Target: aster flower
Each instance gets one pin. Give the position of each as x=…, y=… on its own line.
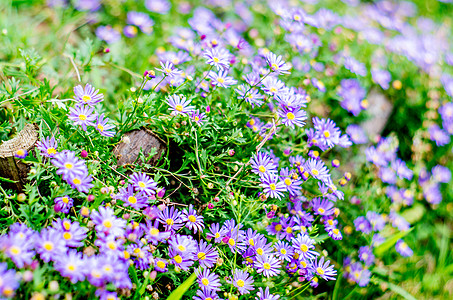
x=322, y=207
x=9, y=282
x=197, y=117
x=291, y=117
x=276, y=64
x=355, y=66
x=21, y=153
x=327, y=132
x=170, y=217
x=183, y=245
x=68, y=164
x=17, y=248
x=267, y=265
x=357, y=134
x=103, y=127
x=366, y=255
x=243, y=281
x=71, y=233
x=160, y=265
x=352, y=94
x=168, y=69
x=127, y=195
x=334, y=233
x=207, y=280
x=376, y=220
x=398, y=221
x=179, y=104
x=82, y=115
x=215, y=233
x=403, y=249
x=266, y=295
x=49, y=244
x=206, y=255
x=381, y=77
x=106, y=221
x=180, y=261
x=438, y=135
x=302, y=245
x=47, y=146
x=262, y=164
x=221, y=79
x=273, y=86
x=359, y=274
x=88, y=95
x=283, y=250
x=192, y=219
x=441, y=174
x=71, y=265
x=143, y=183
x=141, y=20
x=261, y=247
x=64, y=203
x=250, y=95
x=218, y=58
x=158, y=6
x=108, y=34
x=324, y=270
x=205, y=294
x=317, y=169
x=362, y=224
x=80, y=182
x=272, y=186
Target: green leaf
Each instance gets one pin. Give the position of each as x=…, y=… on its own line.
x=133, y=274
x=399, y=290
x=389, y=242
x=182, y=289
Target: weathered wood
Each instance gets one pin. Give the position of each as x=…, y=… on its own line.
x=140, y=139
x=379, y=109
x=12, y=168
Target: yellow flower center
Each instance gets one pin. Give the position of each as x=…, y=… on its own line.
x=67, y=235
x=283, y=251
x=336, y=231
x=289, y=230
x=71, y=267
x=68, y=166
x=100, y=127
x=240, y=283
x=179, y=107
x=217, y=235
x=205, y=281
x=132, y=200
x=290, y=116
x=111, y=245
x=192, y=218
x=215, y=59
x=326, y=134
x=15, y=250
x=262, y=169
x=201, y=255
x=220, y=80
x=65, y=200
x=141, y=184
x=170, y=222
x=320, y=271
x=196, y=119
x=251, y=242
x=51, y=151
x=315, y=172
x=266, y=266
x=20, y=152
x=231, y=242
x=321, y=210
x=288, y=181
x=7, y=291
x=272, y=186
x=86, y=98
x=161, y=264
x=82, y=117
x=181, y=248
x=76, y=181
x=259, y=251
x=66, y=225
x=154, y=231
x=107, y=223
x=278, y=227
x=48, y=246
x=303, y=248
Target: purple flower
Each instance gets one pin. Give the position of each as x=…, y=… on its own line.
x=438, y=135
x=376, y=220
x=272, y=186
x=179, y=104
x=291, y=117
x=81, y=182
x=143, y=183
x=64, y=203
x=324, y=270
x=83, y=116
x=158, y=6
x=276, y=64
x=153, y=234
x=381, y=77
x=19, y=248
x=68, y=164
x=243, y=281
x=268, y=265
x=303, y=244
x=141, y=20
x=322, y=207
x=366, y=255
x=87, y=5
x=71, y=265
x=103, y=127
x=403, y=249
x=206, y=255
x=108, y=34
x=171, y=219
x=273, y=86
x=136, y=201
x=168, y=69
x=361, y=224
x=197, y=117
x=207, y=280
x=398, y=221
x=47, y=146
x=283, y=250
x=326, y=131
x=9, y=281
x=160, y=265
x=88, y=95
x=21, y=153
x=265, y=295
x=215, y=233
x=357, y=134
x=360, y=275
x=441, y=174
x=355, y=66
x=352, y=94
x=49, y=244
x=221, y=79
x=183, y=245
x=290, y=179
x=262, y=164
x=318, y=170
x=251, y=95
x=106, y=221
x=204, y=294
x=218, y=57
x=192, y=219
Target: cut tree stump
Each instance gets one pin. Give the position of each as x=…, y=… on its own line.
x=12, y=168
x=143, y=139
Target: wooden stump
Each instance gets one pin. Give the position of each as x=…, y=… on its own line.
x=12, y=168
x=140, y=139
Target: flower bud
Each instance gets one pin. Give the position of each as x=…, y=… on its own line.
x=84, y=153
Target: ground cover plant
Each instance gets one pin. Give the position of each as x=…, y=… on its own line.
x=161, y=149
